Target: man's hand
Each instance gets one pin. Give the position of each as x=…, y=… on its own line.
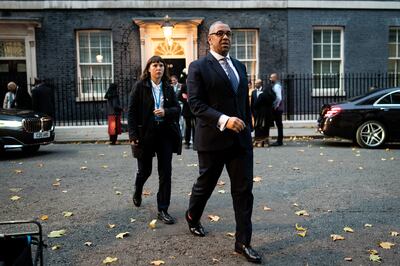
x=134, y=142
x=159, y=112
x=235, y=124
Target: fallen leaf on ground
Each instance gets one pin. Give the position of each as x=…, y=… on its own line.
x=18, y=171
x=58, y=179
x=295, y=205
x=360, y=168
x=358, y=155
x=192, y=165
x=386, y=245
x=67, y=214
x=190, y=194
x=302, y=234
x=213, y=218
x=373, y=251
x=109, y=260
x=269, y=166
x=300, y=150
x=300, y=228
x=88, y=244
x=321, y=154
x=157, y=262
x=104, y=166
x=214, y=260
x=83, y=168
x=122, y=235
x=56, y=234
x=267, y=208
x=348, y=229
x=152, y=224
x=56, y=184
x=146, y=193
x=133, y=220
x=302, y=213
x=296, y=168
x=44, y=217
x=118, y=192
x=367, y=225
x=55, y=247
x=221, y=191
x=337, y=237
x=15, y=198
x=111, y=226
x=348, y=259
x=374, y=258
x=230, y=234
x=394, y=233
x=40, y=165
x=15, y=190
x=101, y=154
x=64, y=191
x=221, y=183
x=125, y=156
x=257, y=179
x=383, y=159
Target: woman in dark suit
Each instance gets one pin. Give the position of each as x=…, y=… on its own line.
x=153, y=117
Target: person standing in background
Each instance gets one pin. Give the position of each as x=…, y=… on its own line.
x=43, y=98
x=114, y=113
x=277, y=107
x=9, y=98
x=190, y=119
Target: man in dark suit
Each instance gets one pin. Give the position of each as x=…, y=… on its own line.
x=218, y=97
x=43, y=98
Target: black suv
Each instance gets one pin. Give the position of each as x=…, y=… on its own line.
x=24, y=129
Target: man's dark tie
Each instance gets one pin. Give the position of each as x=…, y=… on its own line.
x=231, y=74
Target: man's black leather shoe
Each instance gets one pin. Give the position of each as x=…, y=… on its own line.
x=248, y=252
x=137, y=197
x=165, y=217
x=195, y=228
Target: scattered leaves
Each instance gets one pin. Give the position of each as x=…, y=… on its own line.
x=257, y=179
x=300, y=228
x=104, y=166
x=40, y=165
x=302, y=234
x=213, y=218
x=295, y=205
x=221, y=191
x=214, y=260
x=44, y=217
x=373, y=251
x=157, y=262
x=337, y=237
x=133, y=220
x=221, y=183
x=374, y=258
x=56, y=234
x=296, y=168
x=348, y=229
x=83, y=168
x=109, y=260
x=18, y=171
x=56, y=184
x=111, y=226
x=348, y=259
x=152, y=224
x=386, y=245
x=394, y=233
x=15, y=198
x=367, y=225
x=55, y=247
x=230, y=234
x=146, y=193
x=67, y=214
x=118, y=192
x=302, y=213
x=122, y=235
x=15, y=190
x=88, y=244
x=265, y=208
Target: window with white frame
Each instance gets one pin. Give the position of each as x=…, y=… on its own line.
x=95, y=63
x=327, y=50
x=394, y=56
x=244, y=48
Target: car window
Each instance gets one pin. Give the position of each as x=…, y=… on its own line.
x=396, y=98
x=385, y=100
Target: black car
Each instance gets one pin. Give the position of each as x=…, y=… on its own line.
x=370, y=120
x=24, y=129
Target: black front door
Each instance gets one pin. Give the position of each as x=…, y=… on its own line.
x=11, y=70
x=175, y=67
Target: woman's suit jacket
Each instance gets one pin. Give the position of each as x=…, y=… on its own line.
x=141, y=118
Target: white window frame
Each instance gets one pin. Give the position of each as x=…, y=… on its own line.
x=396, y=72
x=91, y=95
x=327, y=92
x=257, y=61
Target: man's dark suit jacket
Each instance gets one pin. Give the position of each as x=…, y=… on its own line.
x=211, y=95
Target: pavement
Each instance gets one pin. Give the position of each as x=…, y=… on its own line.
x=65, y=134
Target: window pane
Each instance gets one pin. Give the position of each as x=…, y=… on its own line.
x=392, y=35
x=335, y=67
x=327, y=51
x=392, y=50
x=317, y=67
x=317, y=51
x=105, y=39
x=385, y=100
x=85, y=85
x=97, y=72
x=251, y=52
x=392, y=66
x=396, y=98
x=83, y=39
x=241, y=52
x=106, y=53
x=94, y=39
x=251, y=37
x=326, y=34
x=326, y=67
x=12, y=48
x=84, y=55
x=317, y=36
x=336, y=36
x=85, y=72
x=336, y=51
x=106, y=71
x=240, y=37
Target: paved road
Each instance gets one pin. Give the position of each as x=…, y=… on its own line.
x=337, y=184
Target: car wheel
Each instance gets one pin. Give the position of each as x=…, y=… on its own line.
x=31, y=149
x=371, y=134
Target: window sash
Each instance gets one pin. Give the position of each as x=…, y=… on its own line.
x=245, y=49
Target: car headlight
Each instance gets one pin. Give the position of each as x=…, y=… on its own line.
x=10, y=123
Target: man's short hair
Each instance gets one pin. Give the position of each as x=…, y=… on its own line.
x=211, y=30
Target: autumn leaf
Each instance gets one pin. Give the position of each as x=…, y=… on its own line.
x=348, y=229
x=337, y=237
x=15, y=190
x=58, y=179
x=386, y=245
x=374, y=258
x=213, y=218
x=348, y=259
x=296, y=168
x=118, y=192
x=157, y=262
x=295, y=205
x=111, y=226
x=302, y=234
x=221, y=183
x=221, y=191
x=44, y=217
x=214, y=260
x=152, y=224
x=101, y=154
x=394, y=233
x=300, y=150
x=230, y=234
x=18, y=171
x=56, y=234
x=64, y=191
x=192, y=165
x=300, y=228
x=15, y=198
x=40, y=165
x=373, y=251
x=88, y=244
x=55, y=247
x=383, y=159
x=83, y=167
x=56, y=184
x=330, y=161
x=302, y=213
x=367, y=225
x=133, y=220
x=67, y=214
x=146, y=193
x=360, y=168
x=267, y=208
x=104, y=166
x=122, y=235
x=257, y=179
x=109, y=260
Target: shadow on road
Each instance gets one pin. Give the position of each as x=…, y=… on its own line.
x=17, y=154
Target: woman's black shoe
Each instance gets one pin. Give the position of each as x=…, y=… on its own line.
x=248, y=252
x=137, y=198
x=195, y=228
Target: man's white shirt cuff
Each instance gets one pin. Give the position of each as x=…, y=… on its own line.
x=223, y=119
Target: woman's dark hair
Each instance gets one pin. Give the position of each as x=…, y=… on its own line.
x=155, y=59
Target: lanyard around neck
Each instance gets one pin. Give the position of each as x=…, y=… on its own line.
x=157, y=101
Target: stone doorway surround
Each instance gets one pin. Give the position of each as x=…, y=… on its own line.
x=22, y=29
x=184, y=38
